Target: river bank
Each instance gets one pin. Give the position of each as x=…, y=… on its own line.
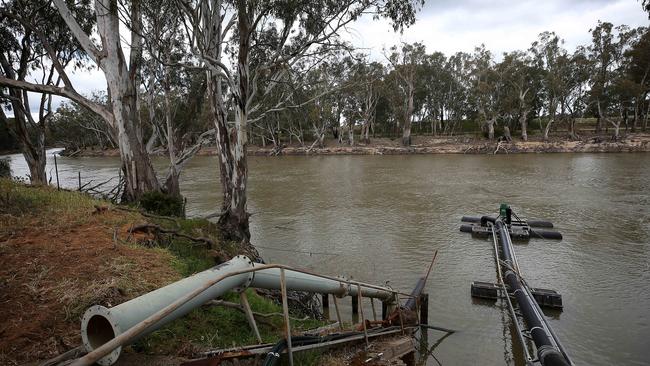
x=64, y=251
x=638, y=142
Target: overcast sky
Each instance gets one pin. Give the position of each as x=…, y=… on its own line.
x=460, y=25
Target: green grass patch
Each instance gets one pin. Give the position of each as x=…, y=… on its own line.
x=212, y=326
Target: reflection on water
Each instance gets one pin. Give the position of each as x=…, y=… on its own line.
x=379, y=218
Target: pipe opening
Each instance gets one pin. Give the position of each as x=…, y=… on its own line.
x=99, y=331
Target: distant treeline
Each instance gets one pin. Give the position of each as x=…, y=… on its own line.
x=598, y=87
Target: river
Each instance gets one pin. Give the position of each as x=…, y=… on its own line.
x=380, y=218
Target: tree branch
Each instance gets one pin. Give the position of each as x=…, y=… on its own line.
x=64, y=92
x=93, y=52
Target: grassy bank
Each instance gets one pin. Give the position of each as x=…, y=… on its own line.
x=60, y=254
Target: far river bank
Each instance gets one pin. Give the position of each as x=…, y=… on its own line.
x=638, y=142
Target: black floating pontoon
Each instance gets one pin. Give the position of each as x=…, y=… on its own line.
x=523, y=302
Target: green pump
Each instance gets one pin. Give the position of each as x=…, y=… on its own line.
x=506, y=213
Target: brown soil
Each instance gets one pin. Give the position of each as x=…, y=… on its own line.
x=638, y=142
x=49, y=273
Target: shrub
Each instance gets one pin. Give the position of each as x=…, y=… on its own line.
x=162, y=204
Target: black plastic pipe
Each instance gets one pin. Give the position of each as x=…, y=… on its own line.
x=466, y=228
x=411, y=303
x=545, y=234
x=531, y=223
x=540, y=223
x=547, y=353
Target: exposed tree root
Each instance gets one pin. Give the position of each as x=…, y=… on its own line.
x=157, y=229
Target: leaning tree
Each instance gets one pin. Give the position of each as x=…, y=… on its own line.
x=31, y=33
x=268, y=38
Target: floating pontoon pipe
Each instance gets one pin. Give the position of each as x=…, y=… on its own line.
x=531, y=223
x=548, y=352
x=100, y=324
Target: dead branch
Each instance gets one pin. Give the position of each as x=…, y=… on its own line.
x=157, y=229
x=150, y=215
x=69, y=355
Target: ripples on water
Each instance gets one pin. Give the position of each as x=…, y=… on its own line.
x=381, y=217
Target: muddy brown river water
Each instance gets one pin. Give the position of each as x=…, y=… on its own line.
x=380, y=218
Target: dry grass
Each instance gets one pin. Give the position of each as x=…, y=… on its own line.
x=58, y=256
x=56, y=259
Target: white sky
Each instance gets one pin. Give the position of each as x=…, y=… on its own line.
x=460, y=25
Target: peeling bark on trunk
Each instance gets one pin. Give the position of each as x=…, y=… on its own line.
x=547, y=129
x=506, y=133
x=351, y=133
x=490, y=125
x=231, y=144
x=408, y=115
x=524, y=114
x=572, y=129
x=171, y=185
x=122, y=83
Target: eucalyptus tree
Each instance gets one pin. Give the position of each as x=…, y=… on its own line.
x=574, y=99
x=406, y=62
x=458, y=70
x=610, y=91
x=551, y=58
x=487, y=87
x=122, y=76
x=436, y=87
x=268, y=39
x=638, y=73
x=365, y=88
x=325, y=113
x=602, y=49
x=174, y=94
x=624, y=90
x=30, y=32
x=522, y=86
x=75, y=127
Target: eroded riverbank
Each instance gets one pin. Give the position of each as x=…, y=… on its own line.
x=639, y=142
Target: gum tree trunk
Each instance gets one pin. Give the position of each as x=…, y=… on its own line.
x=408, y=115
x=32, y=147
x=122, y=84
x=524, y=125
x=233, y=168
x=122, y=88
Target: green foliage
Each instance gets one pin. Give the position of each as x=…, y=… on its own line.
x=162, y=204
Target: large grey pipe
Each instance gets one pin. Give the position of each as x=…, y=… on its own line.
x=100, y=324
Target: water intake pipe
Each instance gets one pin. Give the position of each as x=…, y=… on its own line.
x=99, y=324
